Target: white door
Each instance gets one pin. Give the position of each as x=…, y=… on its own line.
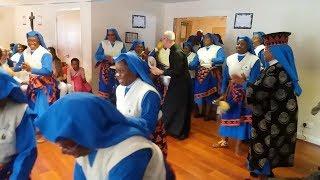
x=69, y=35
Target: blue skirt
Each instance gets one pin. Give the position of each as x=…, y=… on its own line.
x=41, y=104
x=266, y=170
x=236, y=122
x=241, y=132
x=205, y=91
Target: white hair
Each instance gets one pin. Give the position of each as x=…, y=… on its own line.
x=170, y=35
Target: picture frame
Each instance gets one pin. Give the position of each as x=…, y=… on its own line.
x=138, y=21
x=243, y=20
x=131, y=36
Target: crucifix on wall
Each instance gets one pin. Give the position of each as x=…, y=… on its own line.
x=32, y=18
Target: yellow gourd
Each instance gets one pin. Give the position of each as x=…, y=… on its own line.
x=223, y=106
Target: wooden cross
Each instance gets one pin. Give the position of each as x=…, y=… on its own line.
x=31, y=17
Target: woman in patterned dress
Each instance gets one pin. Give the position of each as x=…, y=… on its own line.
x=274, y=100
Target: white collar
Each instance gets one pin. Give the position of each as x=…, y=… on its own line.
x=208, y=47
x=260, y=46
x=273, y=62
x=242, y=54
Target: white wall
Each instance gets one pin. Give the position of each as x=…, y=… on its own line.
x=48, y=27
x=6, y=26
x=118, y=14
x=299, y=17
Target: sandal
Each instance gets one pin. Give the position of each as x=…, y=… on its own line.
x=221, y=144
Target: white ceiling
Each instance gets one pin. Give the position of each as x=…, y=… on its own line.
x=31, y=2
x=26, y=2
x=174, y=1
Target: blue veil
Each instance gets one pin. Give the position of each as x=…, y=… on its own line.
x=10, y=88
x=136, y=65
x=38, y=36
x=249, y=43
x=189, y=45
x=284, y=55
x=214, y=39
x=135, y=43
x=115, y=32
x=87, y=120
x=260, y=35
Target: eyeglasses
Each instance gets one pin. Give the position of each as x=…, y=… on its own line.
x=110, y=34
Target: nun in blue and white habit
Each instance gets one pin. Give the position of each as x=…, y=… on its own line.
x=138, y=49
x=207, y=81
x=275, y=109
x=259, y=47
x=109, y=48
x=240, y=69
x=16, y=53
x=190, y=53
x=18, y=150
x=36, y=60
x=138, y=98
x=106, y=144
x=148, y=60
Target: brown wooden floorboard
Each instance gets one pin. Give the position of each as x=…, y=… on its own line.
x=191, y=159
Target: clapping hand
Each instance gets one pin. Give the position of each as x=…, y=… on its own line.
x=26, y=67
x=156, y=71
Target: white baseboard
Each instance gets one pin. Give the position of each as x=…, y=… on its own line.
x=309, y=138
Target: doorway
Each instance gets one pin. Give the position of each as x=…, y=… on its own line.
x=185, y=27
x=69, y=35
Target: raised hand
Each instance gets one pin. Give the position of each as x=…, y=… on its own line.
x=26, y=67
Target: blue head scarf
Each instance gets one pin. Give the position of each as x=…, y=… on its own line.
x=277, y=44
x=189, y=45
x=115, y=33
x=15, y=49
x=260, y=35
x=136, y=66
x=10, y=88
x=192, y=40
x=135, y=43
x=87, y=120
x=214, y=39
x=38, y=36
x=249, y=43
x=284, y=55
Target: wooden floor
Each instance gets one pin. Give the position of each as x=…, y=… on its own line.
x=191, y=159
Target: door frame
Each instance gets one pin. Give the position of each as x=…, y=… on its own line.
x=56, y=30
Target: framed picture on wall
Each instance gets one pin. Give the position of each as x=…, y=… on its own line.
x=138, y=21
x=243, y=21
x=131, y=36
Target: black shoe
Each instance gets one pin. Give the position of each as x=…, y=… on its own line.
x=209, y=118
x=197, y=115
x=182, y=137
x=253, y=174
